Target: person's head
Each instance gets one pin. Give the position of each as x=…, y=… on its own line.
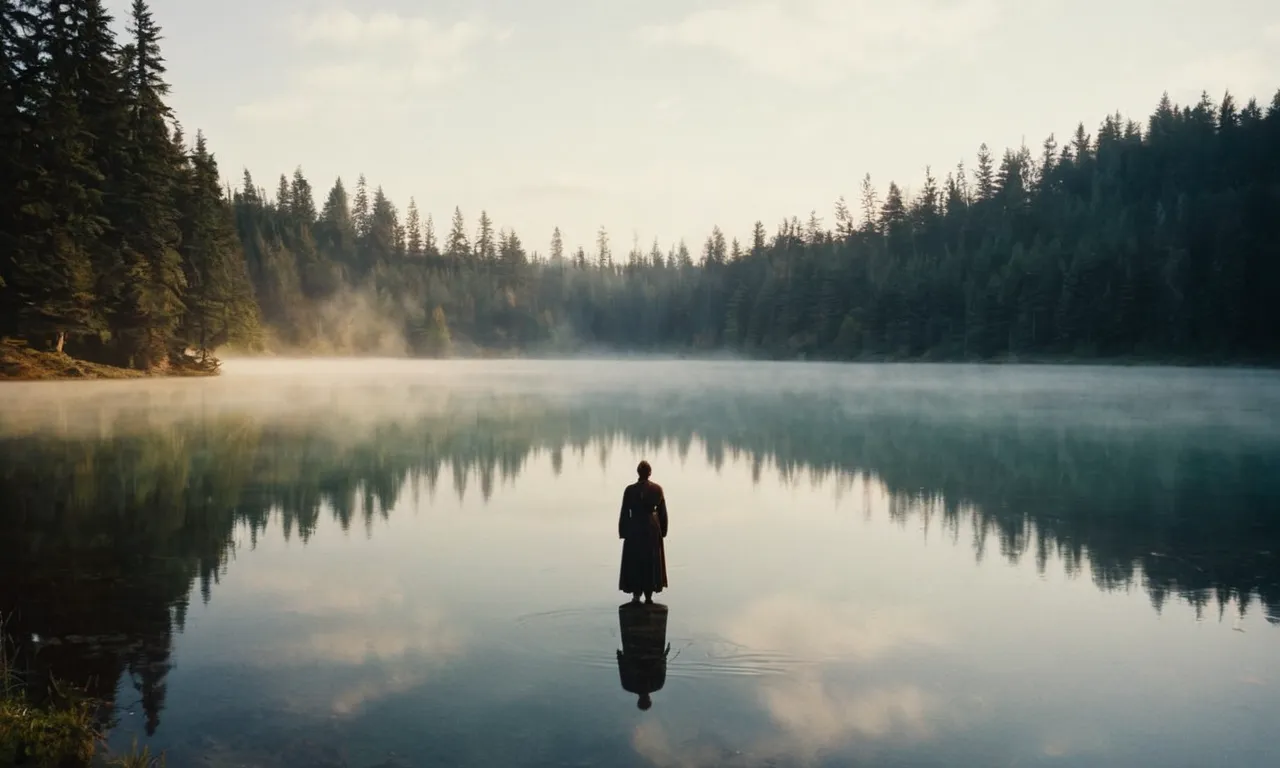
x=644, y=470
x=645, y=702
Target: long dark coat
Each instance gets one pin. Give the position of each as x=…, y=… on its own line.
x=643, y=525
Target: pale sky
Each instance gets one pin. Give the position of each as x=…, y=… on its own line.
x=665, y=117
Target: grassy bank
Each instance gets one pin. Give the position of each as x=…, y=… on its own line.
x=57, y=730
x=19, y=362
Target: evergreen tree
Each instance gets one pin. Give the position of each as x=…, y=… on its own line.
x=336, y=229
x=1080, y=145
x=458, y=247
x=928, y=206
x=604, y=257
x=1011, y=180
x=557, y=247
x=1048, y=159
x=220, y=306
x=153, y=301
x=984, y=177
x=413, y=231
x=894, y=213
x=683, y=260
x=105, y=109
x=302, y=200
x=429, y=248
x=337, y=209
x=512, y=259
x=20, y=70
x=486, y=250
x=759, y=240
x=845, y=228
x=719, y=247
x=814, y=234
x=437, y=340
x=58, y=219
x=383, y=234
x=284, y=198
x=870, y=207
x=360, y=208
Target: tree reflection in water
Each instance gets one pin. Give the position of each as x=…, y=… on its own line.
x=107, y=525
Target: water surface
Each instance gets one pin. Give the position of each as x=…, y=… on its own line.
x=381, y=563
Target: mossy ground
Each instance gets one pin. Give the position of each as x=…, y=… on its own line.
x=19, y=362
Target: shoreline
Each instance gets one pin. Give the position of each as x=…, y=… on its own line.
x=19, y=362
x=725, y=355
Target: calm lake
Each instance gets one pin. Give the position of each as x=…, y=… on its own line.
x=403, y=563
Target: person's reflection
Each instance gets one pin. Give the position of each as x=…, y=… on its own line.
x=642, y=662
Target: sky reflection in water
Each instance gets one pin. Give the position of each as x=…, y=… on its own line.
x=920, y=566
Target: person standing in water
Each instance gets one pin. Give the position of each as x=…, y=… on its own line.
x=642, y=526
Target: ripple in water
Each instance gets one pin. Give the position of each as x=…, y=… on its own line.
x=589, y=637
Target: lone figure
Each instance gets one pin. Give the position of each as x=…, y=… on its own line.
x=642, y=526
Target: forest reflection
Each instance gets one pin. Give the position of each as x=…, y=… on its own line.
x=109, y=522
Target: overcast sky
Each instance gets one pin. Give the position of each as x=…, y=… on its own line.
x=665, y=117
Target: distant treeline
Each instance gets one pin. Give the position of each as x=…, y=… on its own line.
x=1156, y=241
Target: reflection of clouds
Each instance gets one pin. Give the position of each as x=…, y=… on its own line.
x=813, y=708
x=1063, y=739
x=819, y=714
x=809, y=630
x=326, y=592
x=650, y=741
x=353, y=697
x=420, y=635
x=1055, y=748
x=815, y=705
x=365, y=619
x=812, y=718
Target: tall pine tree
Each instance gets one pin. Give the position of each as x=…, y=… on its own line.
x=220, y=306
x=152, y=304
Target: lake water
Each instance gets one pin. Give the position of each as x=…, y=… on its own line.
x=381, y=563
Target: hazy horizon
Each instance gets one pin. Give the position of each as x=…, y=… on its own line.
x=657, y=121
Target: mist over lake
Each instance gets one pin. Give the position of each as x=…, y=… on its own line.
x=395, y=562
x=714, y=384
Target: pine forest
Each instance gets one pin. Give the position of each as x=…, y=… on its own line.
x=123, y=244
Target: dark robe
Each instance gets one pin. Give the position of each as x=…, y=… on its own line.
x=642, y=662
x=642, y=525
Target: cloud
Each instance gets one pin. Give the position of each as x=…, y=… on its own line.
x=822, y=42
x=1245, y=73
x=563, y=188
x=1272, y=32
x=371, y=64
x=347, y=29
